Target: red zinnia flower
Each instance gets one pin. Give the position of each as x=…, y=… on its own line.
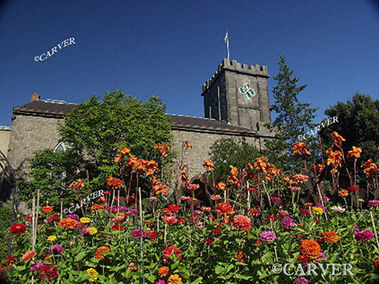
x=305, y=211
x=47, y=209
x=48, y=272
x=168, y=252
x=241, y=222
x=17, y=229
x=173, y=207
x=117, y=227
x=352, y=188
x=224, y=208
x=53, y=218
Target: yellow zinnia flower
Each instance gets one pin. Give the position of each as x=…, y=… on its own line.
x=174, y=279
x=52, y=238
x=85, y=220
x=92, y=274
x=92, y=230
x=317, y=210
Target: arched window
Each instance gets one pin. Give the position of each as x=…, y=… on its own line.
x=62, y=146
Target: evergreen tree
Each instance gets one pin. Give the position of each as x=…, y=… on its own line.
x=293, y=117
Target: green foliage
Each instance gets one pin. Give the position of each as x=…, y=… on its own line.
x=5, y=223
x=95, y=130
x=358, y=123
x=227, y=151
x=293, y=117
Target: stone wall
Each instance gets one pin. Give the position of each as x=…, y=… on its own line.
x=30, y=134
x=4, y=139
x=201, y=142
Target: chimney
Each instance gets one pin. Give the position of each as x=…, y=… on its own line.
x=35, y=97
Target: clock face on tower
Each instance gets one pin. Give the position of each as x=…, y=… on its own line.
x=247, y=91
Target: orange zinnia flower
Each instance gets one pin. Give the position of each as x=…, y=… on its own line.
x=329, y=237
x=97, y=207
x=310, y=249
x=299, y=148
x=47, y=209
x=67, y=223
x=163, y=271
x=241, y=222
x=356, y=152
x=174, y=279
x=224, y=208
x=114, y=183
x=28, y=255
x=343, y=193
x=99, y=252
x=208, y=164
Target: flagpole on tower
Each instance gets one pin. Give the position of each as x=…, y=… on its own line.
x=226, y=40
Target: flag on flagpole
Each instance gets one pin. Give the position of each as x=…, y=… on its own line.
x=226, y=40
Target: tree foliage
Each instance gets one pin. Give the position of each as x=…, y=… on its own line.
x=95, y=130
x=227, y=151
x=358, y=123
x=293, y=117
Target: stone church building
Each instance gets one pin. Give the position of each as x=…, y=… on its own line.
x=236, y=104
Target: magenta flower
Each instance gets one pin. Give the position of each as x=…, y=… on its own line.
x=301, y=280
x=267, y=236
x=373, y=202
x=365, y=235
x=131, y=212
x=84, y=231
x=276, y=199
x=73, y=216
x=137, y=233
x=56, y=249
x=160, y=282
x=37, y=266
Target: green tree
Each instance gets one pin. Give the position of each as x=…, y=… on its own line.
x=358, y=123
x=293, y=117
x=227, y=151
x=95, y=130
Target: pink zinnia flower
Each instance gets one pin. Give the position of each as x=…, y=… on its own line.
x=267, y=236
x=373, y=202
x=365, y=235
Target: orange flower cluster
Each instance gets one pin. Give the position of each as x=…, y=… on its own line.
x=299, y=148
x=355, y=153
x=289, y=181
x=221, y=185
x=208, y=164
x=224, y=208
x=233, y=177
x=67, y=223
x=241, y=222
x=163, y=271
x=310, y=249
x=370, y=168
x=122, y=152
x=151, y=167
x=269, y=169
x=343, y=193
x=240, y=256
x=97, y=207
x=159, y=188
x=47, y=209
x=99, y=252
x=318, y=168
x=162, y=148
x=184, y=176
x=186, y=145
x=114, y=183
x=329, y=237
x=301, y=178
x=79, y=184
x=338, y=139
x=334, y=158
x=135, y=163
x=376, y=264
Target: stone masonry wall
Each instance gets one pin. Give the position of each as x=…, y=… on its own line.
x=29, y=134
x=201, y=143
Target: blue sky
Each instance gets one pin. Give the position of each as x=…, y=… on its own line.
x=169, y=48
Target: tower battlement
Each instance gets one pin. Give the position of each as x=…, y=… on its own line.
x=235, y=66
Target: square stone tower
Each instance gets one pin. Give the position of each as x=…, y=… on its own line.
x=238, y=94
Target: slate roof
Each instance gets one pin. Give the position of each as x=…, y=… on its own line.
x=58, y=109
